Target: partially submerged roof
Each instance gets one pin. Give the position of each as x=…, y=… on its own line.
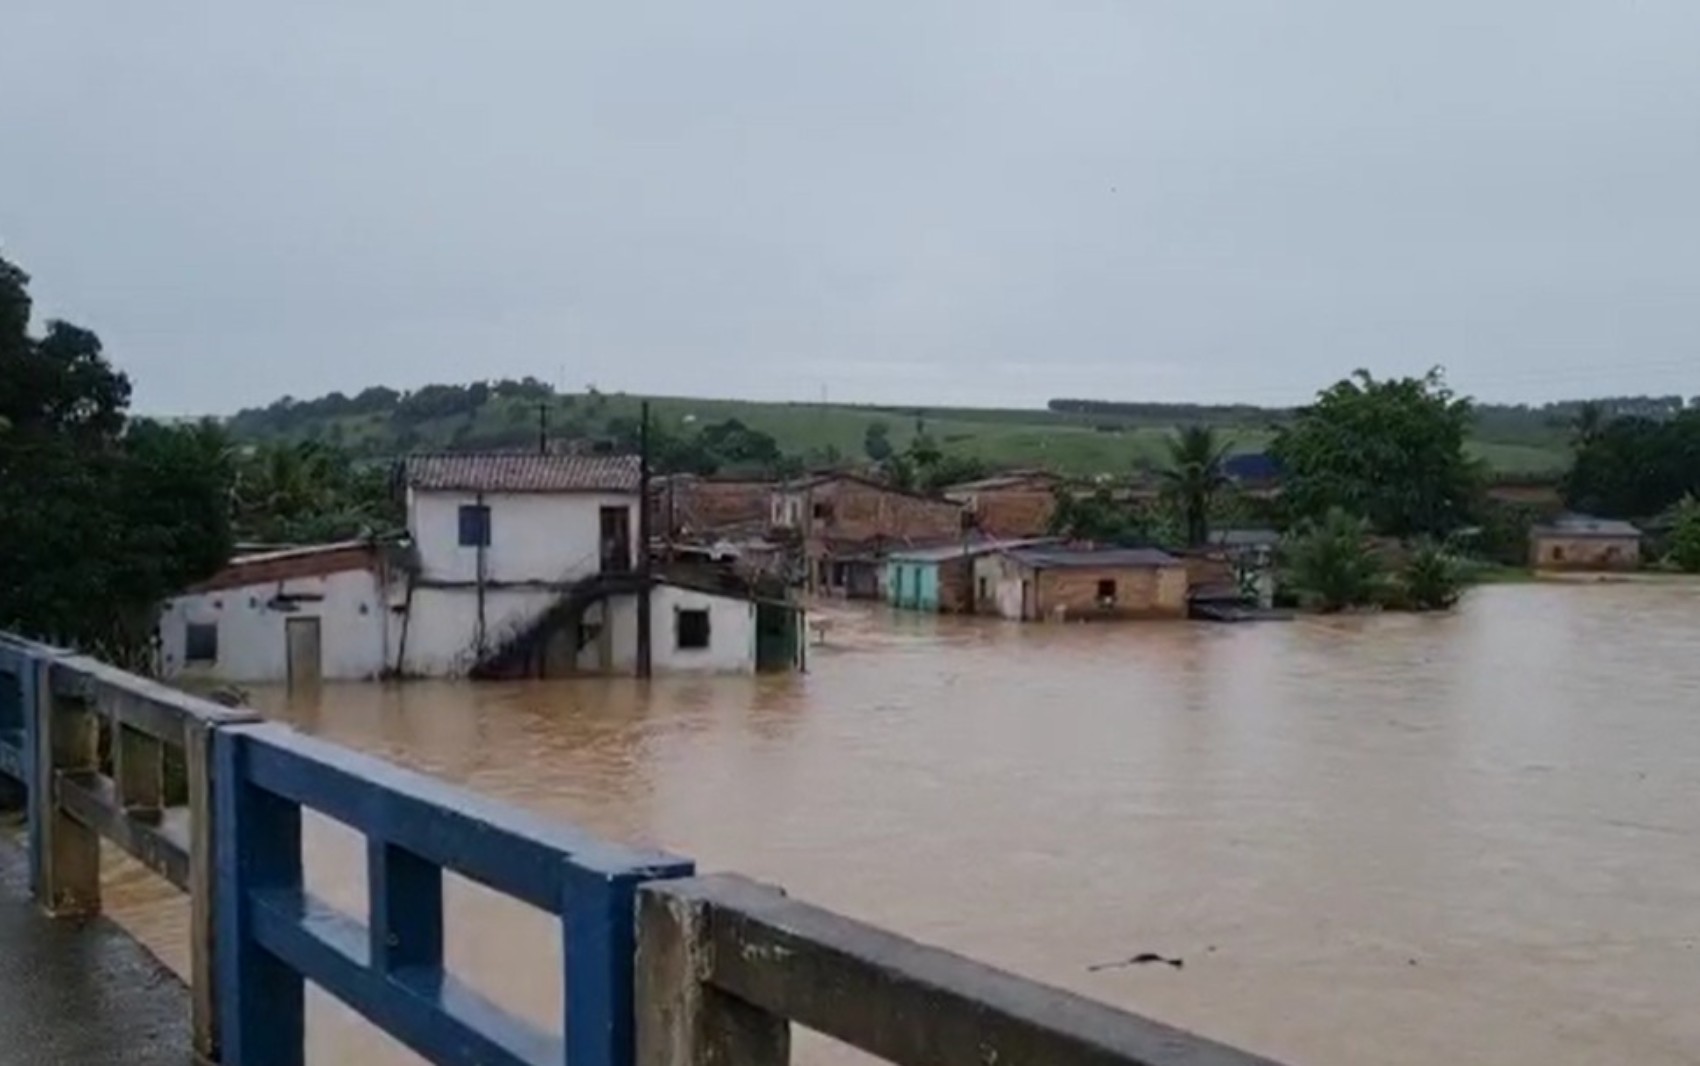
x=287, y=564
x=521, y=472
x=1581, y=526
x=1063, y=557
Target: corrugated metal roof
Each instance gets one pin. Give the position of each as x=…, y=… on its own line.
x=1245, y=538
x=1062, y=558
x=522, y=472
x=1584, y=526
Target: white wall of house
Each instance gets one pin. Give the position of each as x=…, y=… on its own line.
x=441, y=630
x=1001, y=579
x=534, y=536
x=251, y=622
x=732, y=633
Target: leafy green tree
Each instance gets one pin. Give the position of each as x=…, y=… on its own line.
x=1331, y=563
x=1636, y=466
x=1430, y=579
x=308, y=493
x=1194, y=477
x=103, y=517
x=1585, y=427
x=1098, y=517
x=876, y=442
x=1685, y=535
x=1391, y=451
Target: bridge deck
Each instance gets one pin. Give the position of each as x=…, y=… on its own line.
x=81, y=993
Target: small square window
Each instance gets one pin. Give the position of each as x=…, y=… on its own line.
x=474, y=526
x=691, y=630
x=200, y=642
x=1107, y=591
x=823, y=511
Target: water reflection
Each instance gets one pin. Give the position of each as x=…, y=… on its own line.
x=1392, y=839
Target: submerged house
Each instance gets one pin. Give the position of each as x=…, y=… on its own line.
x=1582, y=542
x=514, y=565
x=1068, y=582
x=846, y=526
x=302, y=614
x=940, y=579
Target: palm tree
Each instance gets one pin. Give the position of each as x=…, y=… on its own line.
x=1195, y=476
x=1590, y=420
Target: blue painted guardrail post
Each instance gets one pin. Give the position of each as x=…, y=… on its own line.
x=273, y=935
x=23, y=677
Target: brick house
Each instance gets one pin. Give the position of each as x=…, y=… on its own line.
x=690, y=505
x=845, y=525
x=1581, y=542
x=1076, y=583
x=1017, y=504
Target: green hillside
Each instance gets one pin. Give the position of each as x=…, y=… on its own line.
x=383, y=423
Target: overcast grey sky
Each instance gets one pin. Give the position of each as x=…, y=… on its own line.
x=931, y=201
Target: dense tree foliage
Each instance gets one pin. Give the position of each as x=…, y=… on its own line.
x=1685, y=535
x=101, y=517
x=1331, y=563
x=308, y=493
x=1390, y=451
x=876, y=442
x=1194, y=478
x=1635, y=467
x=1430, y=579
x=727, y=447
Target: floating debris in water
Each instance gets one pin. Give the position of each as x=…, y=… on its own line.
x=1143, y=959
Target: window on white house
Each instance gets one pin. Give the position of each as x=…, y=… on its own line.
x=474, y=526
x=691, y=629
x=200, y=642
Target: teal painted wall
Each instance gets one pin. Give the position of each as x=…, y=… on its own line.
x=912, y=586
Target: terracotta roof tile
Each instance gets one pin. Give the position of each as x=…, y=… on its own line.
x=522, y=472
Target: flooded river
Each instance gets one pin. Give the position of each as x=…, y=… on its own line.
x=1397, y=839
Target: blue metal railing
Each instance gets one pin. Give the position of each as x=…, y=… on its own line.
x=19, y=674
x=272, y=934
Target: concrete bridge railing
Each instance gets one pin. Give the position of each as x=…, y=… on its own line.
x=663, y=968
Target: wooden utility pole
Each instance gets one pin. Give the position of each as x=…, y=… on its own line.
x=644, y=667
x=543, y=428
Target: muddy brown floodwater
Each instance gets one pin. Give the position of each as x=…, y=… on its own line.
x=1396, y=839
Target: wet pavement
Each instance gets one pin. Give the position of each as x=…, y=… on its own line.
x=80, y=993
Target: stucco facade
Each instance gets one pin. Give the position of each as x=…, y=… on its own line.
x=534, y=537
x=342, y=616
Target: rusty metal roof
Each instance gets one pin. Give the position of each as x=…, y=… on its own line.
x=521, y=472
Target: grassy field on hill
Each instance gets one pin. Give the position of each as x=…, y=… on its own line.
x=1074, y=444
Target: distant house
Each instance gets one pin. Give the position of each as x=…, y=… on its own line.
x=308, y=614
x=1016, y=504
x=687, y=505
x=939, y=579
x=845, y=526
x=1063, y=582
x=515, y=565
x=1582, y=542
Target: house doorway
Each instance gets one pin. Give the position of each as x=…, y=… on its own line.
x=302, y=650
x=616, y=540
